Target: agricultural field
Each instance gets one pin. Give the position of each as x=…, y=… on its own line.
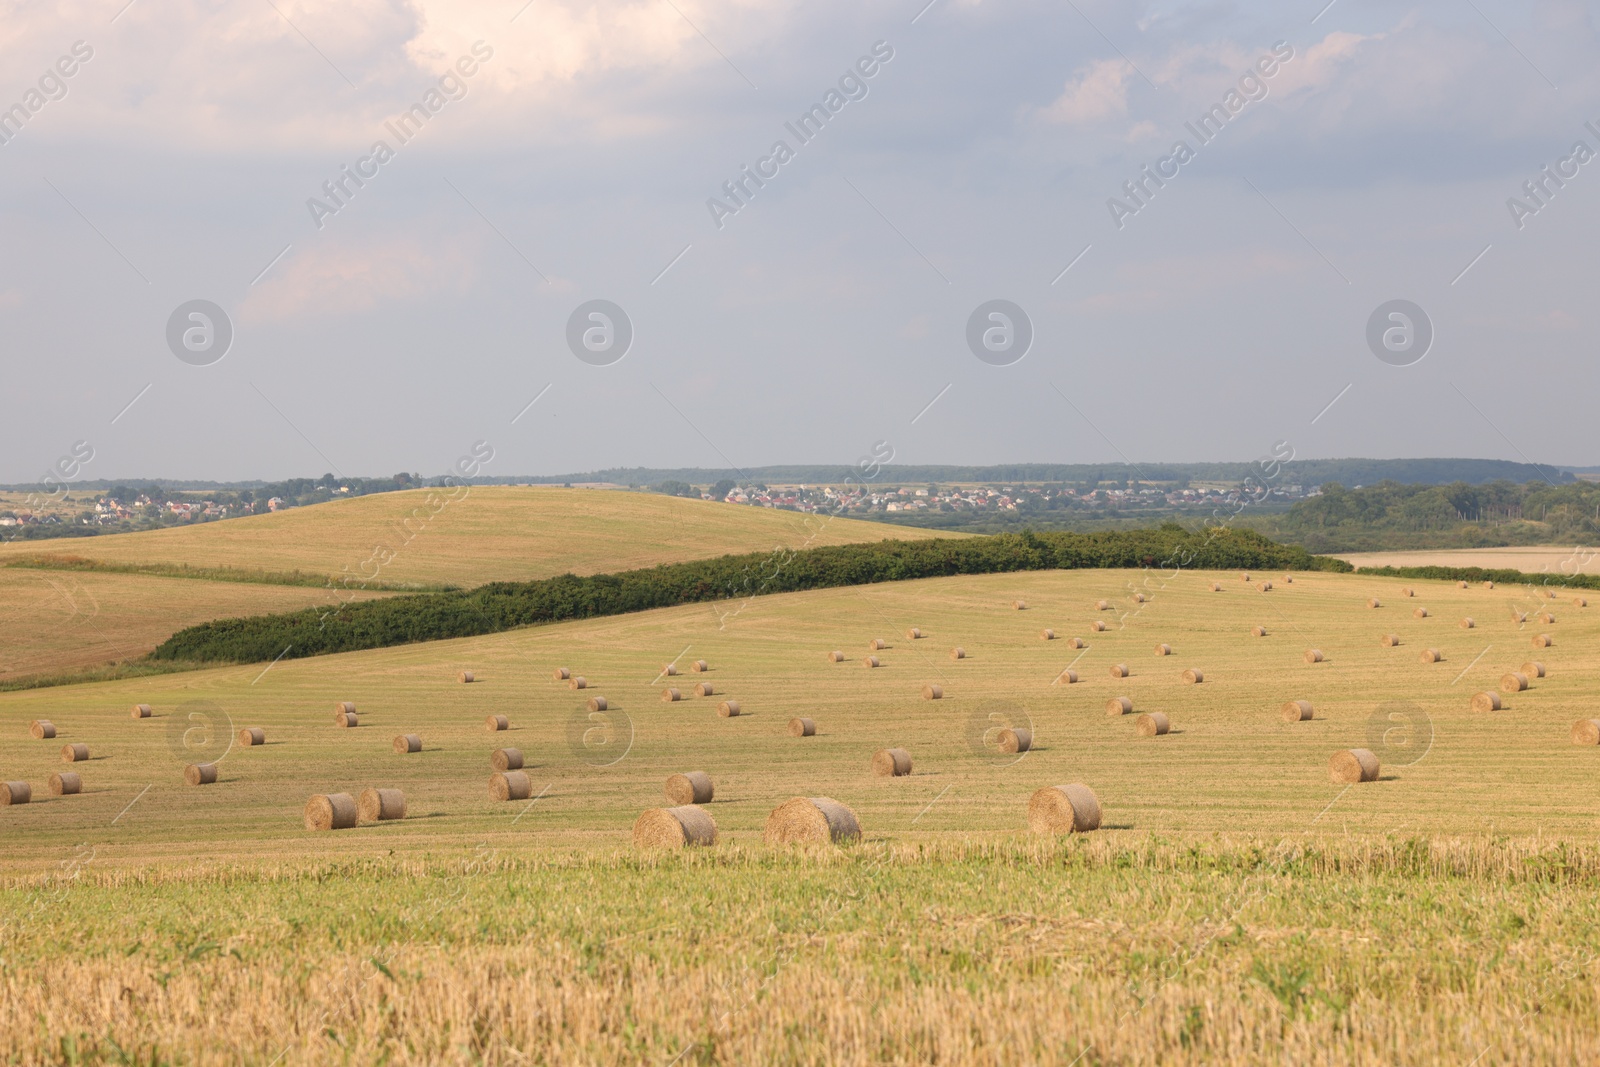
x=1530, y=559
x=1235, y=905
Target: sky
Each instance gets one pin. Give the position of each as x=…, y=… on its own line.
x=268, y=238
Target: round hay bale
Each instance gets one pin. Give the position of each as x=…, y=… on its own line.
x=1193, y=676
x=799, y=727
x=200, y=773
x=1152, y=724
x=1514, y=681
x=670, y=695
x=1533, y=669
x=467, y=676
x=1064, y=809
x=1297, y=711
x=704, y=689
x=728, y=709
x=1586, y=732
x=1265, y=587
x=870, y=661
x=1488, y=700
x=343, y=707
x=1019, y=605
x=1288, y=579
x=1374, y=603
x=1119, y=670
x=141, y=711
x=1519, y=616
x=1098, y=626
x=914, y=634
x=958, y=653
x=496, y=723
x=671, y=669
x=1421, y=613
x=562, y=674
x=1468, y=623
x=833, y=657
x=1119, y=706
x=74, y=753
x=1075, y=642
x=1488, y=585
x=891, y=763
x=932, y=692
x=1580, y=602
x=1163, y=650
x=1432, y=655
x=506, y=759
x=1015, y=739
x=811, y=819
x=699, y=666
x=1102, y=605
x=381, y=805
x=406, y=744
x=1313, y=655
x=332, y=811
x=1546, y=617
x=42, y=729
x=1353, y=765
x=1543, y=641
x=1216, y=587
x=693, y=787
x=15, y=793
x=678, y=827
x=1047, y=634
x=1390, y=640
x=597, y=704
x=1550, y=593
x=1463, y=585
x=578, y=682
x=877, y=644
x=251, y=736
x=66, y=783
x=1244, y=576
x=510, y=785
x=1258, y=631
x=348, y=721
x=1138, y=598
x=1408, y=591
x=1068, y=677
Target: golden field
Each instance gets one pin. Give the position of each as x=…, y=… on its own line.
x=1556, y=560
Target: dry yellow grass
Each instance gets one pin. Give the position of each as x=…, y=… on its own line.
x=1532, y=559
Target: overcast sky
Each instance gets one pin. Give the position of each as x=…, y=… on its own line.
x=392, y=325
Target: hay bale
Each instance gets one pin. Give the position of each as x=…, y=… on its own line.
x=671, y=695
x=1546, y=617
x=1533, y=669
x=1265, y=587
x=1015, y=739
x=1390, y=640
x=466, y=676
x=1138, y=598
x=1408, y=591
x=958, y=653
x=1421, y=613
x=704, y=689
x=1488, y=585
x=1216, y=587
x=251, y=736
x=1258, y=631
x=699, y=666
x=15, y=793
x=405, y=744
x=671, y=669
x=510, y=785
x=877, y=644
x=141, y=711
x=1543, y=641
x=1102, y=605
x=811, y=819
x=344, y=707
x=914, y=633
x=833, y=657
x=1515, y=681
x=1353, y=765
x=1064, y=809
x=870, y=661
x=1463, y=585
x=1580, y=602
x=74, y=753
x=506, y=759
x=597, y=704
x=1550, y=593
x=348, y=721
x=1119, y=670
x=1068, y=677
x=1163, y=650
x=332, y=811
x=1519, y=616
x=1297, y=711
x=692, y=787
x=1019, y=605
x=1119, y=706
x=381, y=805
x=1152, y=724
x=1244, y=576
x=1468, y=623
x=932, y=692
x=1288, y=579
x=678, y=827
x=1432, y=655
x=1374, y=603
x=728, y=709
x=1313, y=655
x=1488, y=700
x=200, y=774
x=562, y=674
x=496, y=723
x=1047, y=634
x=66, y=783
x=1586, y=732
x=578, y=682
x=1098, y=626
x=1075, y=642
x=1193, y=676
x=891, y=763
x=42, y=729
x=800, y=727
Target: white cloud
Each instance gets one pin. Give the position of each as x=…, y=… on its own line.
x=1099, y=92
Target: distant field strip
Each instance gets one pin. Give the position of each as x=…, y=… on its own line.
x=217, y=574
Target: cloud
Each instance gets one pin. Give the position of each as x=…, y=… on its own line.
x=333, y=279
x=1099, y=92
